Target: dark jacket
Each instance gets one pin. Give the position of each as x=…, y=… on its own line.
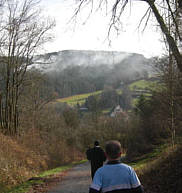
x=96, y=156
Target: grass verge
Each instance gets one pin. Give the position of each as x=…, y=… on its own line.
x=26, y=186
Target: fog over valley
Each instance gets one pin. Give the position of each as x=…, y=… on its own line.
x=56, y=61
x=80, y=71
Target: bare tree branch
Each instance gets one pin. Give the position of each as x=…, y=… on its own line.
x=148, y=12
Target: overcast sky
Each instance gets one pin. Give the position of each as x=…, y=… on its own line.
x=91, y=33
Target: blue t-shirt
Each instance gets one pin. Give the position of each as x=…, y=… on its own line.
x=112, y=177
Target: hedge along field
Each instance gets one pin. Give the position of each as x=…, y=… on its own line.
x=77, y=99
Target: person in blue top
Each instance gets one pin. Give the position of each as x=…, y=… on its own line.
x=115, y=177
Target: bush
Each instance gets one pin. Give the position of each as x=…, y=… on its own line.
x=17, y=162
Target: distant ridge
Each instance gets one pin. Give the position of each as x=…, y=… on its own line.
x=62, y=59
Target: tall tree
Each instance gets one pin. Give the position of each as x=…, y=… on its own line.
x=22, y=32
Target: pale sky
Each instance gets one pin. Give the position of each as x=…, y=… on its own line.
x=91, y=33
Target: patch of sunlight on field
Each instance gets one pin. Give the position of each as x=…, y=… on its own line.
x=75, y=102
x=119, y=91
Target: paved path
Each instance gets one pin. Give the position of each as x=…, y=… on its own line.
x=76, y=181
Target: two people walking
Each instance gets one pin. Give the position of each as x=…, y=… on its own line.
x=114, y=176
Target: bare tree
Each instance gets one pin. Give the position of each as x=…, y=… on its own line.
x=22, y=32
x=158, y=8
x=36, y=94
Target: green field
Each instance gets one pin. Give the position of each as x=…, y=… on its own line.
x=142, y=84
x=144, y=87
x=78, y=99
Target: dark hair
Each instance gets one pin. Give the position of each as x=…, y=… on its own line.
x=96, y=143
x=113, y=149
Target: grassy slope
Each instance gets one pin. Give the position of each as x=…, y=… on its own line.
x=142, y=84
x=164, y=175
x=143, y=161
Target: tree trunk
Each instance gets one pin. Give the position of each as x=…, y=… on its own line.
x=172, y=44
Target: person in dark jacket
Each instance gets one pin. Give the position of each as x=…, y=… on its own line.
x=96, y=156
x=115, y=177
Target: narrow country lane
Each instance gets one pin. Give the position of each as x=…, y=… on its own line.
x=77, y=180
